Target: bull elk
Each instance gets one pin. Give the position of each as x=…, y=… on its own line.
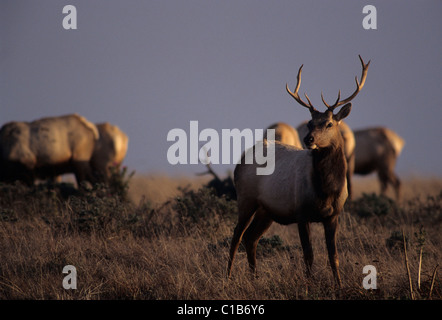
x=306, y=185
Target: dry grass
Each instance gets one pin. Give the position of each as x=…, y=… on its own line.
x=160, y=188
x=173, y=244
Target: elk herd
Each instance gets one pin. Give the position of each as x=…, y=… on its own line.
x=314, y=165
x=49, y=147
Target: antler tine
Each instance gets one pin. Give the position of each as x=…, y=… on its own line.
x=359, y=86
x=331, y=108
x=209, y=171
x=295, y=94
x=364, y=72
x=213, y=173
x=309, y=102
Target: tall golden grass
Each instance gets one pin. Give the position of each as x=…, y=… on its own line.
x=171, y=242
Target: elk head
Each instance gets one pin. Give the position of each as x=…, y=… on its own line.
x=323, y=128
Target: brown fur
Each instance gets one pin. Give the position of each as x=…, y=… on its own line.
x=377, y=150
x=109, y=150
x=285, y=133
x=349, y=149
x=307, y=186
x=329, y=172
x=47, y=147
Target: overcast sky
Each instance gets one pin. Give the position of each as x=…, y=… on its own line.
x=152, y=66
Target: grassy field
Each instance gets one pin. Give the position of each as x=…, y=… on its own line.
x=159, y=237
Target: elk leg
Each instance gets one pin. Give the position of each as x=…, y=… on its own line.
x=244, y=218
x=393, y=180
x=83, y=172
x=387, y=176
x=383, y=179
x=397, y=186
x=304, y=235
x=330, y=229
x=350, y=171
x=260, y=224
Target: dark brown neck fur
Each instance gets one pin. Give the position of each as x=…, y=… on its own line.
x=329, y=171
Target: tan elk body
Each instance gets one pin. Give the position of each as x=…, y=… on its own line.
x=286, y=134
x=47, y=147
x=110, y=150
x=306, y=185
x=377, y=150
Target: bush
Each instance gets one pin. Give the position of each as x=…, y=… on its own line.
x=396, y=241
x=428, y=210
x=65, y=209
x=202, y=209
x=268, y=246
x=373, y=205
x=119, y=182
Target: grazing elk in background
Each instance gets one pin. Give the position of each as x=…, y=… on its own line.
x=50, y=147
x=46, y=148
x=377, y=150
x=306, y=185
x=349, y=148
x=109, y=151
x=221, y=187
x=286, y=134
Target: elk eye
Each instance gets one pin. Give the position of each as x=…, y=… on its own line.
x=329, y=125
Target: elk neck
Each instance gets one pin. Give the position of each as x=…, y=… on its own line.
x=329, y=171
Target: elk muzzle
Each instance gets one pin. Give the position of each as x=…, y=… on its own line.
x=309, y=141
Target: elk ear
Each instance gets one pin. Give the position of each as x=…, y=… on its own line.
x=343, y=113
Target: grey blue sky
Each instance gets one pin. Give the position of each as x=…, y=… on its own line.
x=151, y=66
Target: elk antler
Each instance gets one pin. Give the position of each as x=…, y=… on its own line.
x=359, y=86
x=295, y=94
x=209, y=170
